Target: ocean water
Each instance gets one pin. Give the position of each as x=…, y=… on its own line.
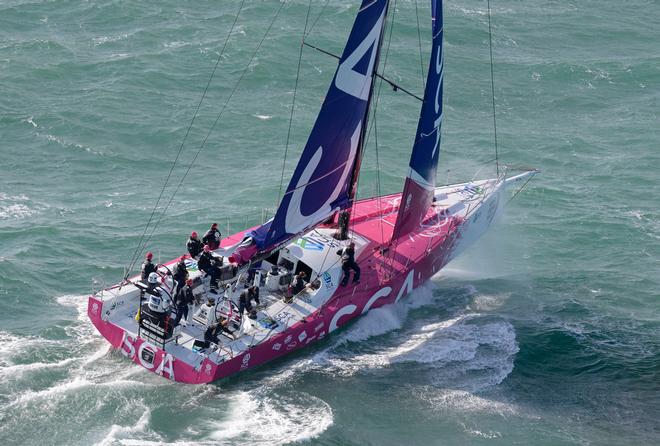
x=546, y=332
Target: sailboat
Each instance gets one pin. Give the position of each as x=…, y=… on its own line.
x=321, y=229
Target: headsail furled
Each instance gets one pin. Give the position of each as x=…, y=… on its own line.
x=418, y=189
x=322, y=181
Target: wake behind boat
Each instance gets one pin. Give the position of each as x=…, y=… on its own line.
x=387, y=245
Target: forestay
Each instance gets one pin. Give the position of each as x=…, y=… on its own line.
x=419, y=185
x=322, y=181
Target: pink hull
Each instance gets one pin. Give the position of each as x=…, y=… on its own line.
x=386, y=278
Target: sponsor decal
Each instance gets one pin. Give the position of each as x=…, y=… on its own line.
x=309, y=244
x=327, y=280
x=246, y=361
x=95, y=309
x=267, y=322
x=208, y=369
x=302, y=336
x=147, y=355
x=305, y=298
x=288, y=339
x=292, y=345
x=115, y=305
x=166, y=365
x=277, y=346
x=283, y=315
x=348, y=309
x=310, y=339
x=318, y=327
x=383, y=292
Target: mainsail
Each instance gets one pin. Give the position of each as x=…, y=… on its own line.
x=323, y=179
x=418, y=189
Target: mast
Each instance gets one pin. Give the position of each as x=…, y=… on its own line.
x=358, y=159
x=324, y=180
x=344, y=219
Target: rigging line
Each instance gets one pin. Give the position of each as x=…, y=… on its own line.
x=521, y=188
x=293, y=105
x=419, y=38
x=136, y=253
x=492, y=88
x=373, y=122
x=316, y=20
x=394, y=85
x=222, y=110
x=380, y=205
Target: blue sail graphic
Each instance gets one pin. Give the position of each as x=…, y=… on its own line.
x=418, y=189
x=321, y=182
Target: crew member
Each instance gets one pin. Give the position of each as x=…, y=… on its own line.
x=152, y=284
x=348, y=263
x=147, y=267
x=215, y=324
x=182, y=299
x=245, y=301
x=180, y=274
x=194, y=245
x=299, y=283
x=212, y=237
x=210, y=265
x=211, y=333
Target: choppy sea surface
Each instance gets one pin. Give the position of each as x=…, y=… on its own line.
x=546, y=332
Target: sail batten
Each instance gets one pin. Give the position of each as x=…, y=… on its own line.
x=419, y=185
x=322, y=182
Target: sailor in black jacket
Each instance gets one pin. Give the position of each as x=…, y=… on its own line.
x=212, y=237
x=211, y=266
x=348, y=263
x=147, y=267
x=182, y=299
x=194, y=245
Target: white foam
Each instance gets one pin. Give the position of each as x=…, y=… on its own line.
x=102, y=40
x=79, y=302
x=78, y=383
x=480, y=434
x=464, y=401
x=375, y=323
x=15, y=206
x=274, y=421
x=10, y=344
x=388, y=318
x=18, y=370
x=119, y=433
x=489, y=302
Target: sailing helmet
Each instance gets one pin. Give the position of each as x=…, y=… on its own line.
x=194, y=234
x=149, y=256
x=189, y=282
x=153, y=278
x=207, y=248
x=214, y=226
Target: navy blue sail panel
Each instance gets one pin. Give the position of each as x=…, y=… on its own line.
x=321, y=182
x=418, y=189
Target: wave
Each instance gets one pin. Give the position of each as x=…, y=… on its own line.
x=16, y=206
x=273, y=420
